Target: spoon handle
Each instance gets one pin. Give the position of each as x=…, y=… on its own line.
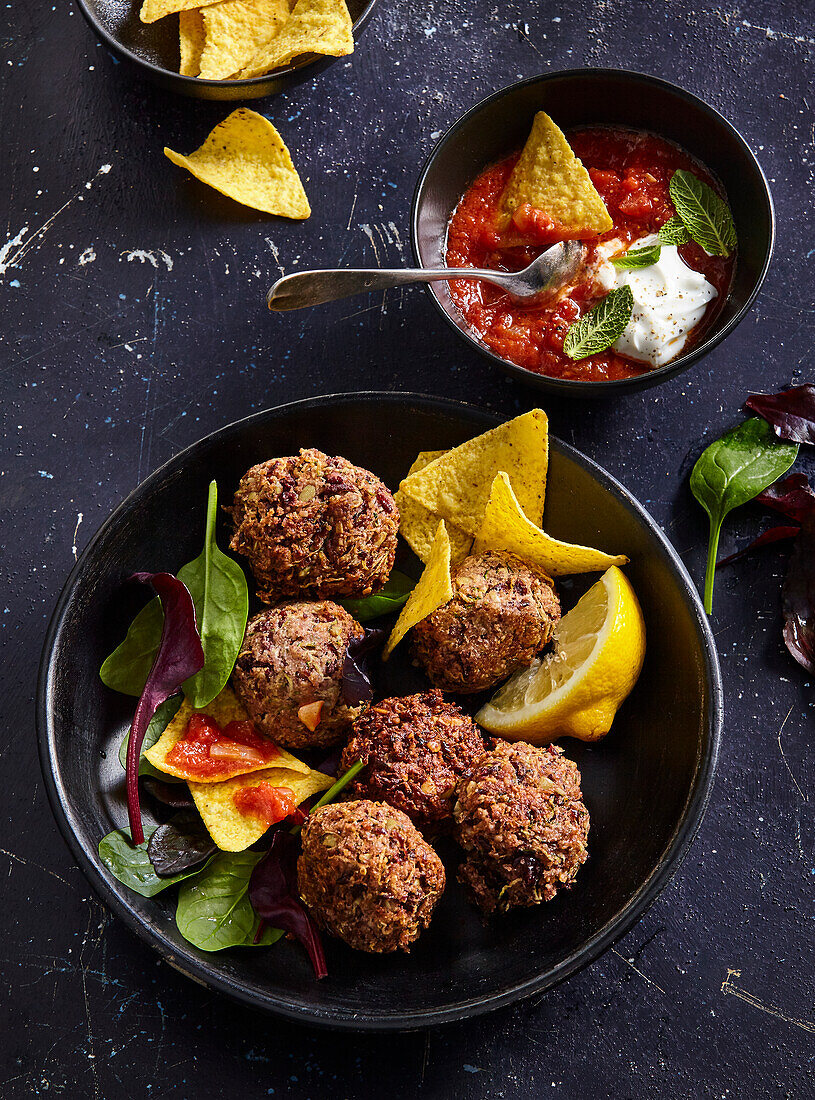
x=311, y=288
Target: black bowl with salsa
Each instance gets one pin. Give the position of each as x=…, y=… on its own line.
x=632, y=132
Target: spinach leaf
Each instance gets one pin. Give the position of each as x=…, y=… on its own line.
x=130, y=864
x=158, y=724
x=219, y=592
x=704, y=214
x=732, y=471
x=387, y=600
x=214, y=911
x=601, y=326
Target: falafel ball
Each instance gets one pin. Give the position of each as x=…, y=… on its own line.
x=521, y=821
x=502, y=613
x=368, y=875
x=314, y=525
x=414, y=750
x=292, y=658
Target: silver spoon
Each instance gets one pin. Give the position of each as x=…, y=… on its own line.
x=544, y=277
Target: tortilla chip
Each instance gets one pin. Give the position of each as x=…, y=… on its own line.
x=433, y=589
x=550, y=178
x=505, y=527
x=151, y=10
x=418, y=526
x=457, y=485
x=236, y=30
x=191, y=36
x=245, y=158
x=315, y=26
x=224, y=708
x=233, y=831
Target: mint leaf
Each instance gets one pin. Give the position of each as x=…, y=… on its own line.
x=638, y=257
x=674, y=232
x=601, y=326
x=705, y=215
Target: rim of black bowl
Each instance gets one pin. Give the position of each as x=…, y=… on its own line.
x=206, y=972
x=317, y=61
x=573, y=387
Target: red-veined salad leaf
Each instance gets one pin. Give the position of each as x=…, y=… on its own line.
x=356, y=683
x=766, y=538
x=790, y=412
x=180, y=845
x=180, y=655
x=793, y=497
x=799, y=598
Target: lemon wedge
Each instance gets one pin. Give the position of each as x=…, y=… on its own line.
x=599, y=647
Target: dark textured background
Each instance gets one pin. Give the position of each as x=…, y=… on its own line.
x=134, y=322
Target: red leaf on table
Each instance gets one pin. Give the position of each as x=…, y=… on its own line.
x=773, y=534
x=790, y=412
x=799, y=599
x=793, y=496
x=179, y=656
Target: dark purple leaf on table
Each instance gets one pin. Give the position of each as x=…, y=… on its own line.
x=175, y=795
x=766, y=538
x=790, y=412
x=180, y=845
x=793, y=497
x=356, y=682
x=179, y=656
x=799, y=599
x=274, y=897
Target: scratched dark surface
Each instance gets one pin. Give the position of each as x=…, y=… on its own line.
x=134, y=322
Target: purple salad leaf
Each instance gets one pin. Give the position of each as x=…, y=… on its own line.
x=179, y=656
x=180, y=845
x=799, y=599
x=356, y=683
x=793, y=497
x=766, y=538
x=790, y=412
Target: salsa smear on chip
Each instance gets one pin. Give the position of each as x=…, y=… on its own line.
x=659, y=257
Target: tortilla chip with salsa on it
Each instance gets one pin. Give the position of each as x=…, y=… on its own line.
x=434, y=588
x=234, y=821
x=236, y=30
x=418, y=525
x=216, y=743
x=246, y=158
x=314, y=26
x=550, y=179
x=457, y=485
x=505, y=527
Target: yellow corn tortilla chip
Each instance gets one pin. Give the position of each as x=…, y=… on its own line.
x=433, y=589
x=418, y=526
x=224, y=708
x=551, y=178
x=315, y=26
x=245, y=158
x=151, y=10
x=191, y=37
x=235, y=31
x=234, y=831
x=505, y=527
x=457, y=485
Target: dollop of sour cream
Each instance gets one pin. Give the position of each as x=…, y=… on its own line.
x=670, y=299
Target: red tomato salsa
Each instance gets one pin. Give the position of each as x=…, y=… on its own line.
x=270, y=804
x=631, y=171
x=208, y=752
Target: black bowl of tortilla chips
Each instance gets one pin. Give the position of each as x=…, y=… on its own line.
x=168, y=49
x=500, y=124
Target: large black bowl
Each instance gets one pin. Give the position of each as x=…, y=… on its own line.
x=153, y=49
x=646, y=785
x=500, y=124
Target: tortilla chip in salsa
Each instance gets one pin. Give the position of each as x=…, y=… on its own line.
x=550, y=178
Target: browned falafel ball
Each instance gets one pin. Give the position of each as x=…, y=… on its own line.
x=520, y=818
x=502, y=613
x=414, y=750
x=314, y=525
x=290, y=662
x=368, y=875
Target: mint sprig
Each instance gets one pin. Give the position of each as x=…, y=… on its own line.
x=674, y=232
x=638, y=257
x=704, y=214
x=601, y=326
